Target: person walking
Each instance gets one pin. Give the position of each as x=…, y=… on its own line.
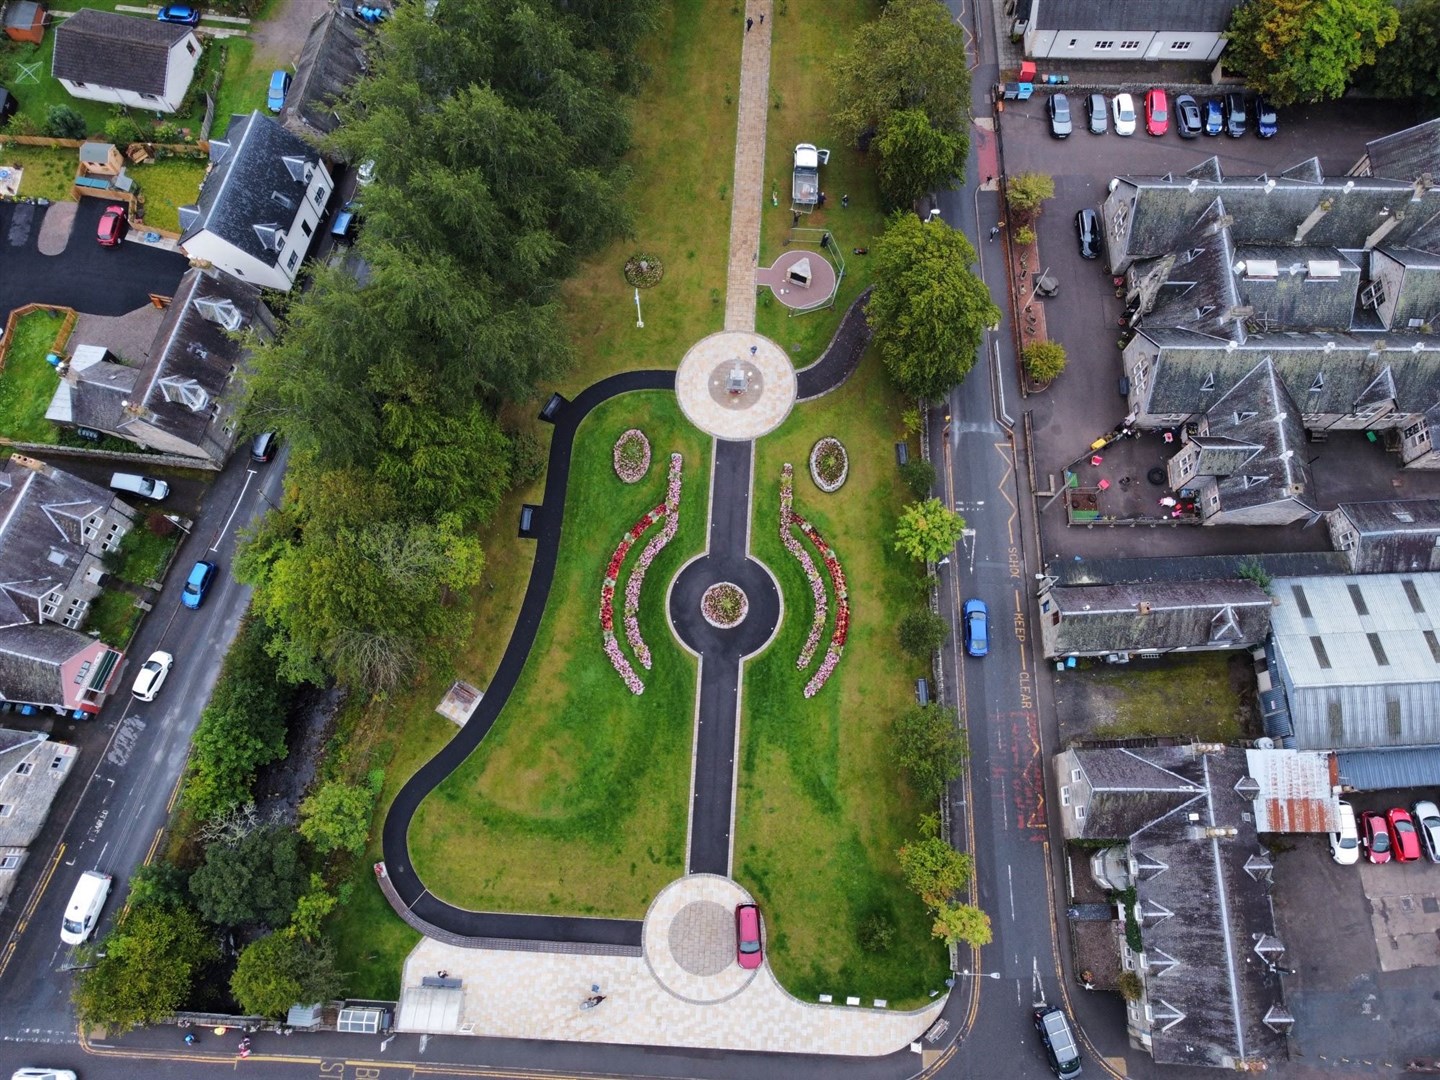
x=748, y=24
x=994, y=232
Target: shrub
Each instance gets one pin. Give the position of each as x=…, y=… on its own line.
x=929, y=747
x=63, y=122
x=1044, y=360
x=256, y=880
x=22, y=124
x=1025, y=192
x=123, y=130
x=922, y=632
x=1024, y=236
x=919, y=476
x=527, y=458
x=1130, y=986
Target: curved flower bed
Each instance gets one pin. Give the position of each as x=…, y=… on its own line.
x=724, y=605
x=833, y=651
x=817, y=585
x=668, y=509
x=829, y=464
x=632, y=456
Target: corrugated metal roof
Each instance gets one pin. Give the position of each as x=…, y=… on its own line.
x=1295, y=792
x=1390, y=768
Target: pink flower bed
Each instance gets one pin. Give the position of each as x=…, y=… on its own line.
x=669, y=510
x=789, y=518
x=817, y=584
x=631, y=456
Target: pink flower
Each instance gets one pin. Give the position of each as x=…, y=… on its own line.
x=790, y=519
x=669, y=512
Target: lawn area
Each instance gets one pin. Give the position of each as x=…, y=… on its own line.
x=49, y=171
x=167, y=186
x=821, y=810
x=144, y=555
x=114, y=617
x=576, y=801
x=1199, y=696
x=242, y=88
x=27, y=382
x=680, y=196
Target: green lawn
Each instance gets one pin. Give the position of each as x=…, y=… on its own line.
x=576, y=801
x=167, y=186
x=114, y=617
x=27, y=382
x=242, y=88
x=144, y=554
x=821, y=810
x=1142, y=697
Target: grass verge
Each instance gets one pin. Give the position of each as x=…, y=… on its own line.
x=27, y=382
x=821, y=809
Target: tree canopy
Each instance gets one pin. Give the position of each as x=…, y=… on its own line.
x=144, y=968
x=1307, y=50
x=929, y=747
x=1409, y=67
x=916, y=157
x=928, y=530
x=254, y=881
x=284, y=969
x=928, y=309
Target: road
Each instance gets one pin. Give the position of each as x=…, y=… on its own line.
x=128, y=782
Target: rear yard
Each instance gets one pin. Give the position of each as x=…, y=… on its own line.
x=1206, y=696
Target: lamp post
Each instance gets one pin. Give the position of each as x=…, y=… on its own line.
x=639, y=322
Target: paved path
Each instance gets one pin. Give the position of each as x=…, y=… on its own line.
x=748, y=188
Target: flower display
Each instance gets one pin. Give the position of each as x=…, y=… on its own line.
x=829, y=464
x=724, y=605
x=790, y=519
x=632, y=456
x=817, y=584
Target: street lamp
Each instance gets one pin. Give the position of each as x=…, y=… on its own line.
x=980, y=974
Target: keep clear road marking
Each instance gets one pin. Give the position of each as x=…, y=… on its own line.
x=249, y=475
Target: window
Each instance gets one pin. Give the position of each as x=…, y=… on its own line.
x=1378, y=649
x=294, y=261
x=1103, y=46
x=190, y=48
x=9, y=862
x=25, y=768
x=1336, y=717
x=1180, y=46
x=1075, y=776
x=59, y=761
x=1413, y=430
x=1321, y=656
x=1392, y=717
x=305, y=227
x=1072, y=45
x=6, y=809
x=1357, y=598
x=1131, y=45
x=1079, y=813
x=1413, y=595
x=320, y=194
x=1065, y=795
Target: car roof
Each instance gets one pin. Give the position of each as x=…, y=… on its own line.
x=199, y=570
x=1062, y=1040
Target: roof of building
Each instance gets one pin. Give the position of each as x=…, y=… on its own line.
x=259, y=178
x=22, y=13
x=1293, y=791
x=1115, y=571
x=30, y=661
x=1129, y=789
x=332, y=59
x=1389, y=768
x=1259, y=436
x=1406, y=155
x=1175, y=15
x=94, y=392
x=1162, y=616
x=1395, y=535
x=108, y=49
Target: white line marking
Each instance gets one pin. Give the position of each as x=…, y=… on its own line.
x=249, y=475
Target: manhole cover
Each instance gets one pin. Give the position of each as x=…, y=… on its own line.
x=1430, y=905
x=702, y=937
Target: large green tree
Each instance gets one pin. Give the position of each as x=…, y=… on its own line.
x=144, y=968
x=284, y=969
x=1409, y=67
x=928, y=309
x=916, y=157
x=927, y=531
x=253, y=881
x=1307, y=50
x=337, y=816
x=926, y=742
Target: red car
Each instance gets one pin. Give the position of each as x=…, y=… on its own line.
x=112, y=226
x=747, y=936
x=1406, y=840
x=1157, y=112
x=1376, y=837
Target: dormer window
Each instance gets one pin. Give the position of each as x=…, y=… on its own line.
x=1209, y=383
x=186, y=391
x=1319, y=383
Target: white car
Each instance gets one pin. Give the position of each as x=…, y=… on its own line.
x=152, y=675
x=1427, y=824
x=42, y=1074
x=1123, y=110
x=1345, y=844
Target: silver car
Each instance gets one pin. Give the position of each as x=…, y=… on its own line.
x=1427, y=824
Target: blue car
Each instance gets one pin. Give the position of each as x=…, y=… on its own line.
x=977, y=627
x=1214, y=117
x=179, y=13
x=279, y=87
x=1266, y=122
x=198, y=584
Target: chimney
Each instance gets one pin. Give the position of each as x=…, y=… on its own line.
x=1143, y=607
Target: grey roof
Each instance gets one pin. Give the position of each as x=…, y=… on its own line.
x=1069, y=571
x=1264, y=438
x=42, y=515
x=332, y=59
x=108, y=49
x=1407, y=155
x=31, y=658
x=1395, y=535
x=1299, y=296
x=1178, y=15
x=1390, y=768
x=1131, y=788
x=1109, y=618
x=1419, y=294
x=94, y=391
x=254, y=188
x=22, y=13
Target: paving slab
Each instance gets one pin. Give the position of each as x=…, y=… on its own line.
x=718, y=406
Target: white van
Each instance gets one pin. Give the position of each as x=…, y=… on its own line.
x=83, y=911
x=144, y=486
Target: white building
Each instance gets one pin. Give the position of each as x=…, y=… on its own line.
x=1121, y=30
x=140, y=63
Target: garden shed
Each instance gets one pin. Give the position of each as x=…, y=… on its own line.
x=25, y=21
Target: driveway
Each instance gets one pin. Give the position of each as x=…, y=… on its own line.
x=84, y=276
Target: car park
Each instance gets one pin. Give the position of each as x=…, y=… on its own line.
x=279, y=87
x=1235, y=121
x=1427, y=823
x=1187, y=117
x=197, y=584
x=1345, y=844
x=114, y=223
x=1157, y=112
x=152, y=675
x=1059, y=109
x=1376, y=837
x=147, y=487
x=1098, y=114
x=977, y=627
x=1087, y=225
x=748, y=951
x=1403, y=839
x=1214, y=116
x=1266, y=122
x=183, y=14
x=1059, y=1042
x=1122, y=112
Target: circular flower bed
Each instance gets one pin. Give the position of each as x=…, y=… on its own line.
x=724, y=605
x=632, y=456
x=643, y=270
x=829, y=464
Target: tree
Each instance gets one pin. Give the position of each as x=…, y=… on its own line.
x=284, y=969
x=919, y=476
x=962, y=923
x=916, y=158
x=934, y=870
x=1026, y=192
x=312, y=909
x=928, y=530
x=255, y=881
x=1409, y=67
x=64, y=122
x=922, y=632
x=1306, y=50
x=160, y=884
x=1043, y=360
x=929, y=747
x=337, y=816
x=928, y=310
x=143, y=970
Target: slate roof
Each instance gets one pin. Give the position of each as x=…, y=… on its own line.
x=1113, y=571
x=30, y=660
x=94, y=392
x=1107, y=618
x=1179, y=15
x=1419, y=294
x=108, y=49
x=1131, y=788
x=1299, y=297
x=1407, y=155
x=1395, y=535
x=332, y=59
x=256, y=184
x=1261, y=425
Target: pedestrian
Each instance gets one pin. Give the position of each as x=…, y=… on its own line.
x=794, y=217
x=189, y=1038
x=821, y=200
x=988, y=179
x=994, y=232
x=762, y=18
x=844, y=201
x=748, y=24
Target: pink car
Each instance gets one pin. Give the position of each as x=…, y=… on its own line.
x=747, y=936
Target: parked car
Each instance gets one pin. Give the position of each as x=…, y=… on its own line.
x=1403, y=838
x=1235, y=122
x=365, y=174
x=1059, y=1042
x=1059, y=108
x=1376, y=837
x=1122, y=111
x=1266, y=122
x=1098, y=113
x=197, y=584
x=1427, y=821
x=1214, y=116
x=114, y=223
x=1157, y=112
x=263, y=448
x=1187, y=117
x=346, y=223
x=146, y=487
x=36, y=1073
x=152, y=675
x=977, y=627
x=279, y=87
x=1087, y=224
x=748, y=951
x=179, y=13
x=1345, y=844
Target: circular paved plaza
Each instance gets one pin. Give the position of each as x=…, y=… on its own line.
x=689, y=942
x=736, y=385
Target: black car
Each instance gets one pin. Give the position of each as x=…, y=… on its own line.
x=1059, y=1041
x=1235, y=121
x=1266, y=122
x=1059, y=106
x=1187, y=117
x=1097, y=110
x=8, y=105
x=1087, y=224
x=1214, y=116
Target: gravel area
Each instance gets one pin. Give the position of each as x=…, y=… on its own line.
x=55, y=227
